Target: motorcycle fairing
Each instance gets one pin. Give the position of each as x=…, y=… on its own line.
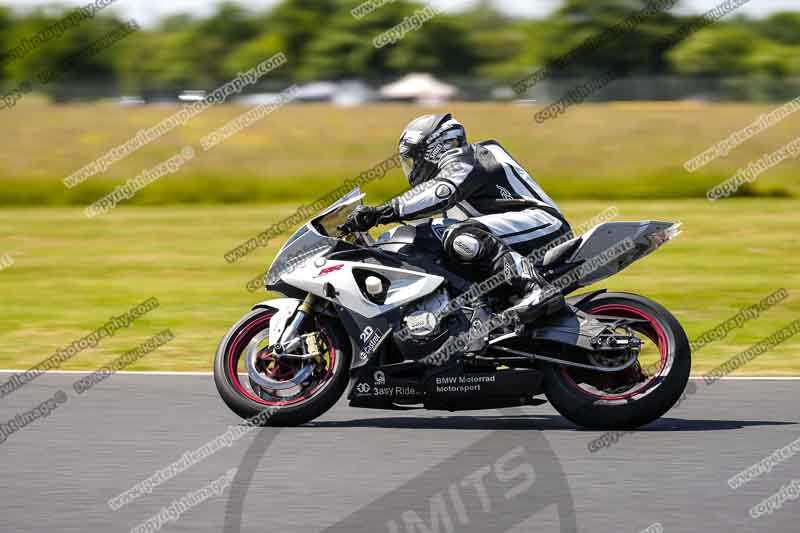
x=406, y=285
x=450, y=387
x=367, y=335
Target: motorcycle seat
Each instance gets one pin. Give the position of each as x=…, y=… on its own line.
x=561, y=252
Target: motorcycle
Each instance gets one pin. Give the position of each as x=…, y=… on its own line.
x=388, y=323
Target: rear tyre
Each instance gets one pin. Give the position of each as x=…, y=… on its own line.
x=639, y=395
x=316, y=396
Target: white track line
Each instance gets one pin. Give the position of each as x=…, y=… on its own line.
x=131, y=372
x=753, y=378
x=168, y=373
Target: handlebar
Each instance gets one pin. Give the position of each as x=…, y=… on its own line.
x=344, y=229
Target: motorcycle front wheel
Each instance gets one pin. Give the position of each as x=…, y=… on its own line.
x=283, y=407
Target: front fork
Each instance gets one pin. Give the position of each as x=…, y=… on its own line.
x=288, y=341
x=289, y=338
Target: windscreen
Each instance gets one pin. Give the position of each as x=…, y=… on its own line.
x=313, y=239
x=305, y=247
x=328, y=222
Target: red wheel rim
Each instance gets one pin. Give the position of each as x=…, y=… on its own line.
x=234, y=354
x=663, y=347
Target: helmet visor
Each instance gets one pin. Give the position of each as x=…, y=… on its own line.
x=407, y=162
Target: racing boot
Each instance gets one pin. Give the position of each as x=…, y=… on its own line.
x=539, y=298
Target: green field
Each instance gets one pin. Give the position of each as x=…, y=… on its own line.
x=70, y=274
x=594, y=151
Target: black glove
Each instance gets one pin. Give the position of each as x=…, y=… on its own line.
x=366, y=217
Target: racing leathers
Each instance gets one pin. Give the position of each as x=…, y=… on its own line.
x=495, y=214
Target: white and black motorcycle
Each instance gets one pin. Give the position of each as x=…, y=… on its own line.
x=387, y=322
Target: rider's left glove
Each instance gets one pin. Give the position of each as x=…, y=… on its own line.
x=366, y=217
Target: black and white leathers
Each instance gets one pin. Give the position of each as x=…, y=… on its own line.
x=482, y=184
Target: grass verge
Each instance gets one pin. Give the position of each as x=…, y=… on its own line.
x=70, y=274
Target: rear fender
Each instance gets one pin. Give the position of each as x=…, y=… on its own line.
x=576, y=300
x=571, y=326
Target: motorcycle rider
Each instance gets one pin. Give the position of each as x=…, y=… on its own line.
x=503, y=213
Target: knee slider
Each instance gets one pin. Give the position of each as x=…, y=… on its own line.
x=468, y=242
x=466, y=247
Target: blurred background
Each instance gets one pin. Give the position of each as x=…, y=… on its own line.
x=681, y=84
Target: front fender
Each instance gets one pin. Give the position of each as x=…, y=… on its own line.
x=284, y=309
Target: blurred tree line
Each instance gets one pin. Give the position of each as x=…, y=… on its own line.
x=323, y=41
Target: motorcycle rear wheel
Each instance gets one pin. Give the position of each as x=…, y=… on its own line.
x=595, y=401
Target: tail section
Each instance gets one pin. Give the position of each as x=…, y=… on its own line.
x=604, y=251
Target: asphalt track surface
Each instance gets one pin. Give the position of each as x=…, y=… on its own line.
x=357, y=470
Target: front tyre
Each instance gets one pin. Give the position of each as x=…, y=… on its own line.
x=635, y=396
x=304, y=403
